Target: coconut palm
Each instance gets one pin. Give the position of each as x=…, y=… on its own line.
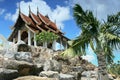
x=102, y=37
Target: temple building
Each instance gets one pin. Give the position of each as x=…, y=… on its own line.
x=26, y=28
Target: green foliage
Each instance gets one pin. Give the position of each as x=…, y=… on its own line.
x=1, y=44
x=102, y=37
x=46, y=37
x=114, y=69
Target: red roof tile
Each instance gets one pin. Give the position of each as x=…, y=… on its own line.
x=47, y=21
x=35, y=18
x=27, y=20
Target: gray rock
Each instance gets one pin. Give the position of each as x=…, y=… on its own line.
x=14, y=64
x=77, y=69
x=66, y=77
x=110, y=77
x=24, y=68
x=86, y=78
x=86, y=75
x=23, y=56
x=77, y=75
x=49, y=74
x=48, y=65
x=39, y=68
x=9, y=55
x=34, y=78
x=7, y=74
x=52, y=65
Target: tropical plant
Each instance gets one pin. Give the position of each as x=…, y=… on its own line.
x=46, y=37
x=102, y=37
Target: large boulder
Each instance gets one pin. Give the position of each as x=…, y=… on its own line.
x=24, y=68
x=87, y=78
x=14, y=64
x=92, y=75
x=8, y=74
x=23, y=48
x=52, y=65
x=66, y=77
x=23, y=56
x=49, y=74
x=35, y=78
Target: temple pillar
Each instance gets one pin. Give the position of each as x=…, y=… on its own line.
x=35, y=44
x=54, y=45
x=29, y=37
x=61, y=44
x=19, y=35
x=66, y=45
x=45, y=44
x=14, y=40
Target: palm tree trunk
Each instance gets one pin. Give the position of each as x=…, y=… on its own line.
x=102, y=69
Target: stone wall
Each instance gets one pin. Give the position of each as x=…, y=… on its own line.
x=46, y=63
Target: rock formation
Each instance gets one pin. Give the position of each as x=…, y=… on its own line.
x=44, y=64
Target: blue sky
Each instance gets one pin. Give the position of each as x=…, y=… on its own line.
x=59, y=11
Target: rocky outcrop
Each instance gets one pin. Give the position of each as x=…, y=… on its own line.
x=23, y=67
x=44, y=62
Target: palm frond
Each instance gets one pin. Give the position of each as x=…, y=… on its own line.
x=85, y=17
x=108, y=54
x=79, y=45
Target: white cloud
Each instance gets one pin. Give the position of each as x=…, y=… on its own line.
x=2, y=11
x=89, y=57
x=100, y=8
x=59, y=14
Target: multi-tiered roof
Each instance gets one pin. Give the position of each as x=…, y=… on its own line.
x=36, y=23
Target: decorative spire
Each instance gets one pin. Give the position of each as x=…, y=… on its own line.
x=29, y=9
x=37, y=10
x=19, y=9
x=47, y=16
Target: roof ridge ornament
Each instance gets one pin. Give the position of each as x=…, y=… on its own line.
x=19, y=8
x=29, y=9
x=47, y=16
x=37, y=10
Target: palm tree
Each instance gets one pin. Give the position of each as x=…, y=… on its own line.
x=101, y=37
